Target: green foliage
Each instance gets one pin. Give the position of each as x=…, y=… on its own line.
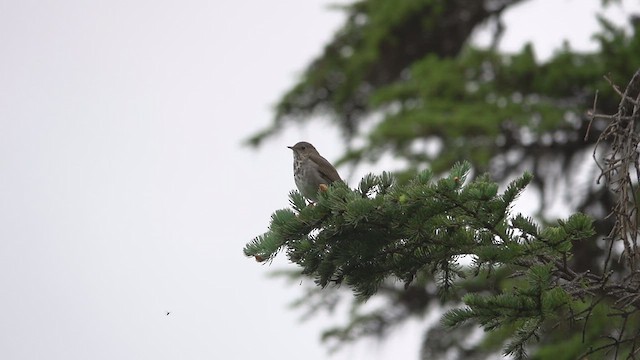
x=383, y=231
x=525, y=308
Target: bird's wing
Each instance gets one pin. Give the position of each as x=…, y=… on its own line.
x=327, y=170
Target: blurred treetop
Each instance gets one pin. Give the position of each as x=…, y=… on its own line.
x=408, y=69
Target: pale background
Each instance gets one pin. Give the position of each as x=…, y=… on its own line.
x=125, y=192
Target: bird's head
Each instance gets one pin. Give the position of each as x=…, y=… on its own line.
x=303, y=149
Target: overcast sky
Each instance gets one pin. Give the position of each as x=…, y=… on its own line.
x=124, y=190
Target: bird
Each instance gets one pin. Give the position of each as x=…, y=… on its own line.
x=311, y=172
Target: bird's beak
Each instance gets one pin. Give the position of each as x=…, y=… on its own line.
x=290, y=147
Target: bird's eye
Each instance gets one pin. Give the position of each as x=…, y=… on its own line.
x=304, y=147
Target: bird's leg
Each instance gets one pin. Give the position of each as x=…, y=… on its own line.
x=321, y=188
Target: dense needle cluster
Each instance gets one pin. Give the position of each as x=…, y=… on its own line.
x=447, y=227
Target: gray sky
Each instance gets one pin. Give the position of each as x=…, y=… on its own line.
x=124, y=192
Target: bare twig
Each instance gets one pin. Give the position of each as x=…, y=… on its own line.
x=617, y=165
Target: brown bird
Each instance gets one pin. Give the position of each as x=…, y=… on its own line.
x=311, y=171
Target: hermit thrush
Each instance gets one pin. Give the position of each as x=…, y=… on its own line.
x=311, y=171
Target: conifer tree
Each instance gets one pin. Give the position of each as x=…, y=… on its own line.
x=385, y=231
x=536, y=286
